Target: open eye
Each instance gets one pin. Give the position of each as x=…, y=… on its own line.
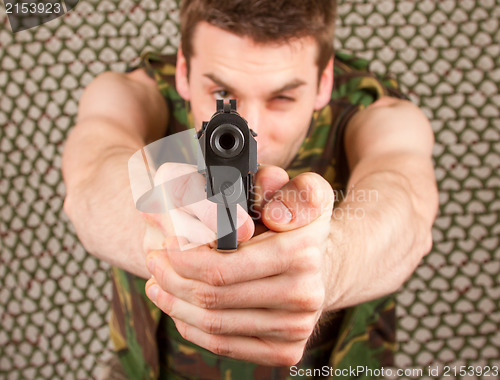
x=222, y=94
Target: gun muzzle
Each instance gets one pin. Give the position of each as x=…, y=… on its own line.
x=228, y=159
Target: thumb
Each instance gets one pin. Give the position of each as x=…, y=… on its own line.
x=268, y=180
x=298, y=203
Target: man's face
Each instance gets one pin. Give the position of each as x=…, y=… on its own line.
x=276, y=87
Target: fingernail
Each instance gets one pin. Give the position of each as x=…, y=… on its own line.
x=153, y=292
x=278, y=212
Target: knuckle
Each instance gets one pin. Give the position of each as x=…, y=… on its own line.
x=219, y=346
x=312, y=302
x=206, y=296
x=307, y=257
x=300, y=328
x=214, y=276
x=182, y=328
x=212, y=323
x=283, y=245
x=161, y=275
x=309, y=296
x=299, y=256
x=166, y=303
x=316, y=300
x=289, y=355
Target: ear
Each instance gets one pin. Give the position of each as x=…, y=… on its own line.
x=181, y=76
x=325, y=86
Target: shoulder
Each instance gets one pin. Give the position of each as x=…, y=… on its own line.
x=129, y=100
x=159, y=67
x=356, y=85
x=140, y=75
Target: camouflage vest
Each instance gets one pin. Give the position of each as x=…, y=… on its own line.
x=146, y=340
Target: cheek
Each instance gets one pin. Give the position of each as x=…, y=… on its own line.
x=291, y=128
x=282, y=135
x=202, y=110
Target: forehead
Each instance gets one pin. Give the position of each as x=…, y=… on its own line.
x=215, y=49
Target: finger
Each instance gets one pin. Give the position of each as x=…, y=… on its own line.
x=185, y=226
x=179, y=223
x=183, y=189
x=207, y=265
x=256, y=350
x=191, y=228
x=161, y=223
x=179, y=185
x=268, y=180
x=171, y=181
x=299, y=202
x=276, y=292
x=168, y=243
x=206, y=212
x=268, y=254
x=275, y=324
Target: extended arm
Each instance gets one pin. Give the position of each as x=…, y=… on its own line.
x=382, y=228
x=118, y=114
x=262, y=303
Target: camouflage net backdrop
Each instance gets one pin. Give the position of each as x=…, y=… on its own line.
x=54, y=297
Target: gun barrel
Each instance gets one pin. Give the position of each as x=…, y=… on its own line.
x=227, y=141
x=229, y=162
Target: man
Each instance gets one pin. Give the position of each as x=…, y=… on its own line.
x=298, y=292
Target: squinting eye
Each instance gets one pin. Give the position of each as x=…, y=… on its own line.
x=222, y=94
x=284, y=99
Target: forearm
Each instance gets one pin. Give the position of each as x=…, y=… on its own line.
x=380, y=232
x=99, y=201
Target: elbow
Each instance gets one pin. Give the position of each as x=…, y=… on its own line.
x=427, y=243
x=66, y=165
x=68, y=207
x=430, y=218
x=69, y=167
x=425, y=208
x=424, y=239
x=75, y=172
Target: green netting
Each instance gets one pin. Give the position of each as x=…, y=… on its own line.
x=54, y=297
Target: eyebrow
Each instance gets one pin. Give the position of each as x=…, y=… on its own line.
x=293, y=84
x=219, y=82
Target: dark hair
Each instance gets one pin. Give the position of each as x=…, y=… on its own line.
x=264, y=21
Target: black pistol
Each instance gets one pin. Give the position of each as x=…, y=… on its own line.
x=228, y=159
